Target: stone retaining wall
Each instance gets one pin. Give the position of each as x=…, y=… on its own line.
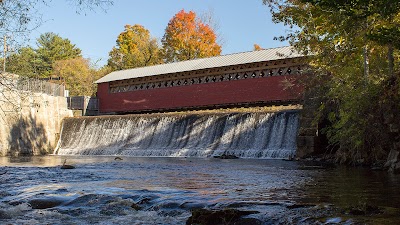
x=30, y=122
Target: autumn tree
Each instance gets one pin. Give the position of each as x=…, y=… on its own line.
x=353, y=48
x=208, y=17
x=257, y=47
x=187, y=37
x=78, y=75
x=135, y=48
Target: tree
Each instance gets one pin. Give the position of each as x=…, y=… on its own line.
x=379, y=18
x=65, y=60
x=25, y=62
x=135, y=48
x=187, y=37
x=51, y=48
x=208, y=17
x=257, y=47
x=19, y=17
x=353, y=46
x=78, y=76
x=35, y=63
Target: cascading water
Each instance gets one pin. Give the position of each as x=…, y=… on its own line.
x=245, y=135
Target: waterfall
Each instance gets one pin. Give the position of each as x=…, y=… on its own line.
x=245, y=135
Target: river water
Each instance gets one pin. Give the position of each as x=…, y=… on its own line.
x=154, y=190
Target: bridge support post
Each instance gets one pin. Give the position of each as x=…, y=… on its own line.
x=307, y=138
x=310, y=141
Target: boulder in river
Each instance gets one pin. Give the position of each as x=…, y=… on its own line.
x=393, y=162
x=66, y=166
x=219, y=217
x=364, y=209
x=47, y=202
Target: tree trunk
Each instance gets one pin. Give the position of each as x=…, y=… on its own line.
x=390, y=61
x=366, y=62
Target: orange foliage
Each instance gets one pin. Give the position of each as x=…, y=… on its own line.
x=257, y=47
x=187, y=37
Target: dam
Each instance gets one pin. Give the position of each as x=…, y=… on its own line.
x=244, y=135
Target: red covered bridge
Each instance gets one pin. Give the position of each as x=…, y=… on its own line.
x=262, y=77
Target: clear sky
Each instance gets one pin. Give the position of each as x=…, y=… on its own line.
x=242, y=23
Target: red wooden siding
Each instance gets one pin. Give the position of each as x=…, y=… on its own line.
x=255, y=90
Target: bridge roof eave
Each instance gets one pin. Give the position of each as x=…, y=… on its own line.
x=204, y=63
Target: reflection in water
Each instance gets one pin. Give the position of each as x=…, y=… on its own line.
x=349, y=186
x=164, y=190
x=47, y=161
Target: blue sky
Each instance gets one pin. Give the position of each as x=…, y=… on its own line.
x=242, y=23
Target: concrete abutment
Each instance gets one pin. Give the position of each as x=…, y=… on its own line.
x=30, y=122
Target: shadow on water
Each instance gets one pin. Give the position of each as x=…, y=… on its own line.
x=179, y=135
x=355, y=186
x=27, y=137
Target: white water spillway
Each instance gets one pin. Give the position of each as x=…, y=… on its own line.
x=245, y=135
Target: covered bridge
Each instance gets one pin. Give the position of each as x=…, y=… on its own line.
x=261, y=77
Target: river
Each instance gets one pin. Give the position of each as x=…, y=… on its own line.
x=164, y=190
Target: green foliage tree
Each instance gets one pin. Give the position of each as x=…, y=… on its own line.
x=353, y=46
x=19, y=17
x=187, y=37
x=51, y=48
x=37, y=63
x=25, y=62
x=135, y=48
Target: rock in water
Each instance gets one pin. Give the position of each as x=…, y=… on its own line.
x=4, y=215
x=364, y=209
x=45, y=203
x=217, y=217
x=136, y=207
x=66, y=167
x=393, y=161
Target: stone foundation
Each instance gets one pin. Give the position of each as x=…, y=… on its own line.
x=308, y=137
x=30, y=122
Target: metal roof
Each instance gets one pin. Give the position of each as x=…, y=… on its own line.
x=204, y=63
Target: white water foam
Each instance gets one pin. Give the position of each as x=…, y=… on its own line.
x=245, y=135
